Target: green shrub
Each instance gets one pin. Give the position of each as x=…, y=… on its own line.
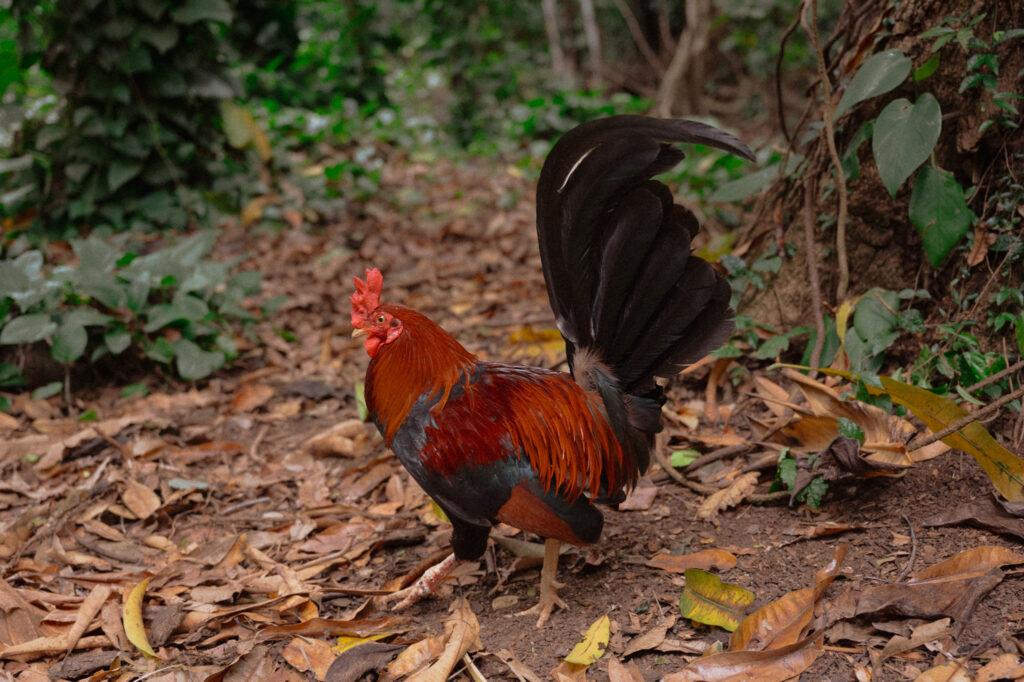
x=131, y=139
x=172, y=306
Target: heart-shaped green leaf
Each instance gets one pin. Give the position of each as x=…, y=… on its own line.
x=904, y=136
x=879, y=74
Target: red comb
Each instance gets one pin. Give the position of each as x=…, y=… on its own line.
x=367, y=296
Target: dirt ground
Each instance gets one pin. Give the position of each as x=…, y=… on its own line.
x=459, y=246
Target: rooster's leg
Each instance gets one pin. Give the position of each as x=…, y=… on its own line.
x=430, y=579
x=548, y=585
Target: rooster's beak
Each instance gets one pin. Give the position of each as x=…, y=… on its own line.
x=359, y=331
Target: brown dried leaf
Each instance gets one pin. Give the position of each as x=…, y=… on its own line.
x=774, y=665
x=929, y=632
x=91, y=605
x=311, y=655
x=351, y=438
x=640, y=499
x=984, y=513
x=142, y=501
x=21, y=621
x=250, y=396
x=623, y=673
x=783, y=621
x=355, y=662
x=955, y=671
x=705, y=559
x=651, y=639
x=462, y=632
x=415, y=658
x=1005, y=667
x=728, y=497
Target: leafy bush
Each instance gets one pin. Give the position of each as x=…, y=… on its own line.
x=132, y=134
x=172, y=306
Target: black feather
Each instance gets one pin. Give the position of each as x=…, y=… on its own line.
x=617, y=260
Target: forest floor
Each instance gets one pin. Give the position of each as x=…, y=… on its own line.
x=266, y=516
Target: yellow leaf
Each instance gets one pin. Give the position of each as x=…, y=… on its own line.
x=842, y=319
x=345, y=642
x=131, y=615
x=438, y=512
x=1004, y=469
x=708, y=600
x=593, y=644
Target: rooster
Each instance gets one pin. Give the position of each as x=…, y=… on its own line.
x=534, y=448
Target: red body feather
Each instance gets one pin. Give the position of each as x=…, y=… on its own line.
x=505, y=410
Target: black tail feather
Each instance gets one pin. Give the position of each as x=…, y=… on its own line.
x=616, y=253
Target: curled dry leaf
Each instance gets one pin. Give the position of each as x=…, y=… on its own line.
x=705, y=559
x=91, y=606
x=414, y=658
x=774, y=665
x=462, y=632
x=984, y=513
x=954, y=671
x=950, y=588
x=785, y=620
x=728, y=497
x=356, y=661
x=350, y=438
x=929, y=632
x=1005, y=667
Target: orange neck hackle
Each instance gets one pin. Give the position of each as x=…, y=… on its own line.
x=424, y=360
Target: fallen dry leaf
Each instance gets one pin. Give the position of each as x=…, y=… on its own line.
x=250, y=396
x=461, y=633
x=131, y=616
x=728, y=497
x=785, y=620
x=774, y=665
x=311, y=655
x=142, y=501
x=705, y=559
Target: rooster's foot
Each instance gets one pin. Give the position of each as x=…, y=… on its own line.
x=549, y=598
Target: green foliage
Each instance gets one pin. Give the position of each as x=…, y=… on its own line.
x=939, y=213
x=132, y=136
x=786, y=478
x=172, y=305
x=879, y=74
x=904, y=136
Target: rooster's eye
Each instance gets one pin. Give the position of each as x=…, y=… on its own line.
x=381, y=319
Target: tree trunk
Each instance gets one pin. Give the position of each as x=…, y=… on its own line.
x=592, y=34
x=683, y=84
x=559, y=64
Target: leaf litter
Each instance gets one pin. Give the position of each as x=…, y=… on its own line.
x=242, y=528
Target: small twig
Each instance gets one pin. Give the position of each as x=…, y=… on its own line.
x=715, y=455
x=696, y=487
x=913, y=550
x=830, y=138
x=778, y=75
x=810, y=193
x=757, y=498
x=243, y=505
x=965, y=420
x=995, y=377
x=254, y=448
